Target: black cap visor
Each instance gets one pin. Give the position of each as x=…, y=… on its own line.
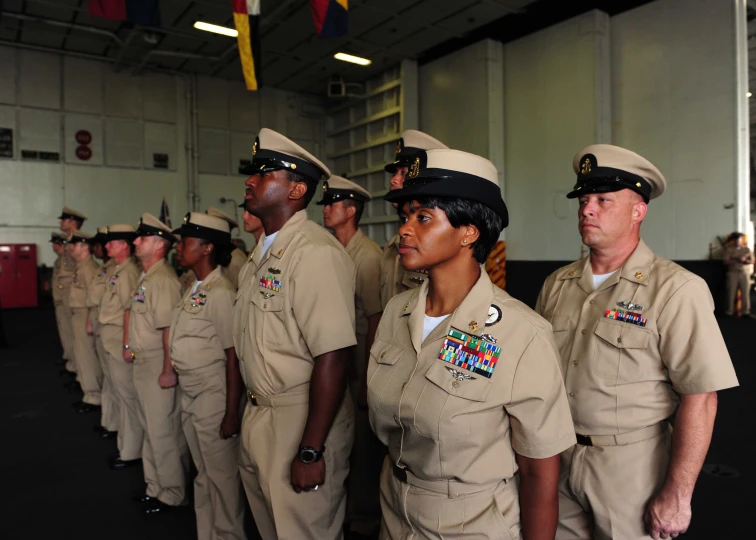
x=269, y=160
x=149, y=230
x=608, y=180
x=403, y=159
x=453, y=184
x=205, y=233
x=127, y=236
x=335, y=195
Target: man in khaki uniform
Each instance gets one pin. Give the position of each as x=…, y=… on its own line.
x=739, y=260
x=202, y=350
x=108, y=425
x=165, y=457
x=70, y=221
x=343, y=203
x=252, y=225
x=61, y=282
x=87, y=363
x=115, y=312
x=293, y=326
x=238, y=257
x=639, y=345
x=394, y=279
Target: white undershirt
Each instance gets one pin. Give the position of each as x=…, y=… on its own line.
x=599, y=279
x=430, y=324
x=196, y=286
x=268, y=242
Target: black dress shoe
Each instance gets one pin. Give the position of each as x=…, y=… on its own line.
x=156, y=507
x=143, y=498
x=87, y=408
x=108, y=434
x=117, y=463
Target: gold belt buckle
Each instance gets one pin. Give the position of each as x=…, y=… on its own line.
x=252, y=397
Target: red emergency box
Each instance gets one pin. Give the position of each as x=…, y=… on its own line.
x=18, y=282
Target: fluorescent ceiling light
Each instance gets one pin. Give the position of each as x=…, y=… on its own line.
x=352, y=59
x=215, y=29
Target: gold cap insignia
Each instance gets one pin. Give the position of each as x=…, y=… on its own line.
x=473, y=326
x=586, y=167
x=254, y=147
x=415, y=168
x=572, y=273
x=399, y=146
x=325, y=186
x=186, y=219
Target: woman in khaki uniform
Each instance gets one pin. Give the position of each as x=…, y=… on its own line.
x=464, y=386
x=202, y=350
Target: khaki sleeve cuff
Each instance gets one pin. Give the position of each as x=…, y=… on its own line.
x=543, y=451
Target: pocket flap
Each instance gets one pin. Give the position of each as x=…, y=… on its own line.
x=560, y=323
x=386, y=353
x=274, y=302
x=622, y=335
x=475, y=388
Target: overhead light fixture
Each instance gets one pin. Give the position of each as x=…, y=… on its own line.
x=344, y=57
x=215, y=29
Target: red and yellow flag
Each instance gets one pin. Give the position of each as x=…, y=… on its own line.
x=247, y=22
x=330, y=17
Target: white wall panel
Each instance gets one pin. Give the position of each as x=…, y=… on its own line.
x=124, y=143
x=123, y=94
x=40, y=81
x=160, y=101
x=244, y=108
x=552, y=87
x=674, y=103
x=39, y=130
x=214, y=151
x=160, y=139
x=74, y=123
x=212, y=102
x=83, y=85
x=8, y=67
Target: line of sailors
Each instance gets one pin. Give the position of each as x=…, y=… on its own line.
x=397, y=389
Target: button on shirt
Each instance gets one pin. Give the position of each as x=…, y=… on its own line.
x=295, y=302
x=156, y=294
x=446, y=422
x=201, y=326
x=624, y=366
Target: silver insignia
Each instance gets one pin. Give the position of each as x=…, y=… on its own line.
x=459, y=376
x=489, y=338
x=629, y=305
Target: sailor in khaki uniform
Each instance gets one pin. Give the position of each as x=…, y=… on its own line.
x=463, y=382
x=108, y=425
x=87, y=363
x=165, y=458
x=394, y=278
x=739, y=260
x=115, y=312
x=343, y=203
x=293, y=327
x=238, y=257
x=202, y=350
x=61, y=282
x=639, y=345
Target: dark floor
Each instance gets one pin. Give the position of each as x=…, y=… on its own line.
x=55, y=480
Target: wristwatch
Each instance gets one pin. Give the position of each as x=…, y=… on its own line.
x=308, y=455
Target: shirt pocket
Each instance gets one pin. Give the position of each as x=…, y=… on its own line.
x=452, y=409
x=560, y=328
x=269, y=315
x=381, y=370
x=621, y=351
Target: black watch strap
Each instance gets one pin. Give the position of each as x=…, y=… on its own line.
x=308, y=455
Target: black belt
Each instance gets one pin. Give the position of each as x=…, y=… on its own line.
x=584, y=440
x=399, y=473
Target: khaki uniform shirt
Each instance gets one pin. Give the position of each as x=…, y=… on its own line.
x=394, y=278
x=452, y=421
x=735, y=253
x=231, y=272
x=367, y=259
x=84, y=274
x=96, y=289
x=156, y=293
x=63, y=271
x=187, y=279
x=295, y=302
x=201, y=327
x=624, y=365
x=119, y=292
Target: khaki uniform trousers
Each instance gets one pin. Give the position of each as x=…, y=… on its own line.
x=415, y=508
x=165, y=458
x=130, y=432
x=271, y=432
x=604, y=490
x=109, y=401
x=63, y=318
x=218, y=499
x=366, y=460
x=738, y=279
x=87, y=364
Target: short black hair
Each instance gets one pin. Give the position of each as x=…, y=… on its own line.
x=311, y=184
x=463, y=212
x=359, y=207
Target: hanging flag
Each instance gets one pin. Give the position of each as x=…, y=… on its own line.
x=165, y=216
x=330, y=17
x=138, y=12
x=247, y=23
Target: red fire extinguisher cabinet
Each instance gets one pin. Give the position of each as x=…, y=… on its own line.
x=18, y=282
